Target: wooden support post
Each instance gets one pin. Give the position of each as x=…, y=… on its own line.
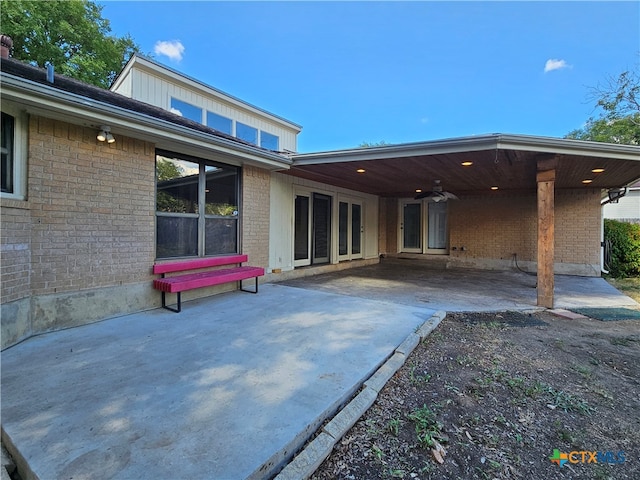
x=546, y=234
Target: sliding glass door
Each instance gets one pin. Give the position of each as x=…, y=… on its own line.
x=321, y=228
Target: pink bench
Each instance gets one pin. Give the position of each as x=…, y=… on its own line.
x=190, y=281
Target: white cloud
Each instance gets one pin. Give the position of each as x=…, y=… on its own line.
x=172, y=49
x=555, y=64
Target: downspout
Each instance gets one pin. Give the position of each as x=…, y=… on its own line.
x=602, y=269
x=611, y=198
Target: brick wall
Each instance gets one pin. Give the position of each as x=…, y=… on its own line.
x=578, y=224
x=92, y=208
x=255, y=215
x=15, y=250
x=497, y=227
x=493, y=228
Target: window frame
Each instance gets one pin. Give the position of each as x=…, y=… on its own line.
x=264, y=134
x=19, y=151
x=221, y=117
x=201, y=214
x=240, y=125
x=172, y=109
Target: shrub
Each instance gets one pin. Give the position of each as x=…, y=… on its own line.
x=624, y=253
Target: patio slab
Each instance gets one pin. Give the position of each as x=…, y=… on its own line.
x=234, y=385
x=227, y=389
x=418, y=283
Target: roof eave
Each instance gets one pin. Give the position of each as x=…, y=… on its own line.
x=559, y=146
x=94, y=112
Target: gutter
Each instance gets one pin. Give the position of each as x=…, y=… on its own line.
x=54, y=100
x=557, y=146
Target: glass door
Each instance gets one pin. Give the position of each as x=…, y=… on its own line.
x=350, y=230
x=321, y=228
x=437, y=230
x=411, y=227
x=302, y=231
x=357, y=230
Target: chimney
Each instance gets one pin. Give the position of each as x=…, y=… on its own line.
x=6, y=43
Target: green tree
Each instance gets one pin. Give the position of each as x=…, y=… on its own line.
x=69, y=34
x=618, y=100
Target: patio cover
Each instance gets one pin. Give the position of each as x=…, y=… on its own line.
x=512, y=163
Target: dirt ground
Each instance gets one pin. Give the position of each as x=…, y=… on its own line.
x=493, y=396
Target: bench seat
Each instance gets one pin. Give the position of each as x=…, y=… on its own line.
x=190, y=281
x=184, y=277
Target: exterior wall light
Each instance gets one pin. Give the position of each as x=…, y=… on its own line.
x=361, y=170
x=587, y=181
x=494, y=188
x=597, y=170
x=104, y=135
x=467, y=164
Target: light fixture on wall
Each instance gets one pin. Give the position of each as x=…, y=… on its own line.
x=104, y=135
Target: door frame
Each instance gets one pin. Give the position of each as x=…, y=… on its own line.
x=350, y=201
x=404, y=202
x=424, y=229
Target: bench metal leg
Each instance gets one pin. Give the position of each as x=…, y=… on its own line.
x=164, y=303
x=250, y=291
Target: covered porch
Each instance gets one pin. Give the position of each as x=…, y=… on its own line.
x=510, y=201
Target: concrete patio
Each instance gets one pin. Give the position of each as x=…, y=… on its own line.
x=234, y=385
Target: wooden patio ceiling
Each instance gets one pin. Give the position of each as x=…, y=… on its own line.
x=510, y=169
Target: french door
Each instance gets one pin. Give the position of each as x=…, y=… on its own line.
x=424, y=227
x=350, y=230
x=312, y=229
x=411, y=227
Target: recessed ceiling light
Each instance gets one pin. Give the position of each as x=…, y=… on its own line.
x=361, y=170
x=587, y=181
x=597, y=170
x=494, y=188
x=467, y=164
x=418, y=190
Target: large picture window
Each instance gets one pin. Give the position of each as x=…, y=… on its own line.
x=196, y=207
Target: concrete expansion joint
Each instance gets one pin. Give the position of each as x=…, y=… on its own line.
x=316, y=451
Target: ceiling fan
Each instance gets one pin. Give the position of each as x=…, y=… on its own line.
x=437, y=194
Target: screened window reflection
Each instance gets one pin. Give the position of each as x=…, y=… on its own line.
x=177, y=185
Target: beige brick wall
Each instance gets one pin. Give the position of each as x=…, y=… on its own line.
x=497, y=227
x=15, y=250
x=493, y=228
x=578, y=224
x=92, y=208
x=256, y=188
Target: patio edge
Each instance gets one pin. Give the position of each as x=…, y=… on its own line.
x=307, y=461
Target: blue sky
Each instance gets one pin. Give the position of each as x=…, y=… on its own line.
x=353, y=72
